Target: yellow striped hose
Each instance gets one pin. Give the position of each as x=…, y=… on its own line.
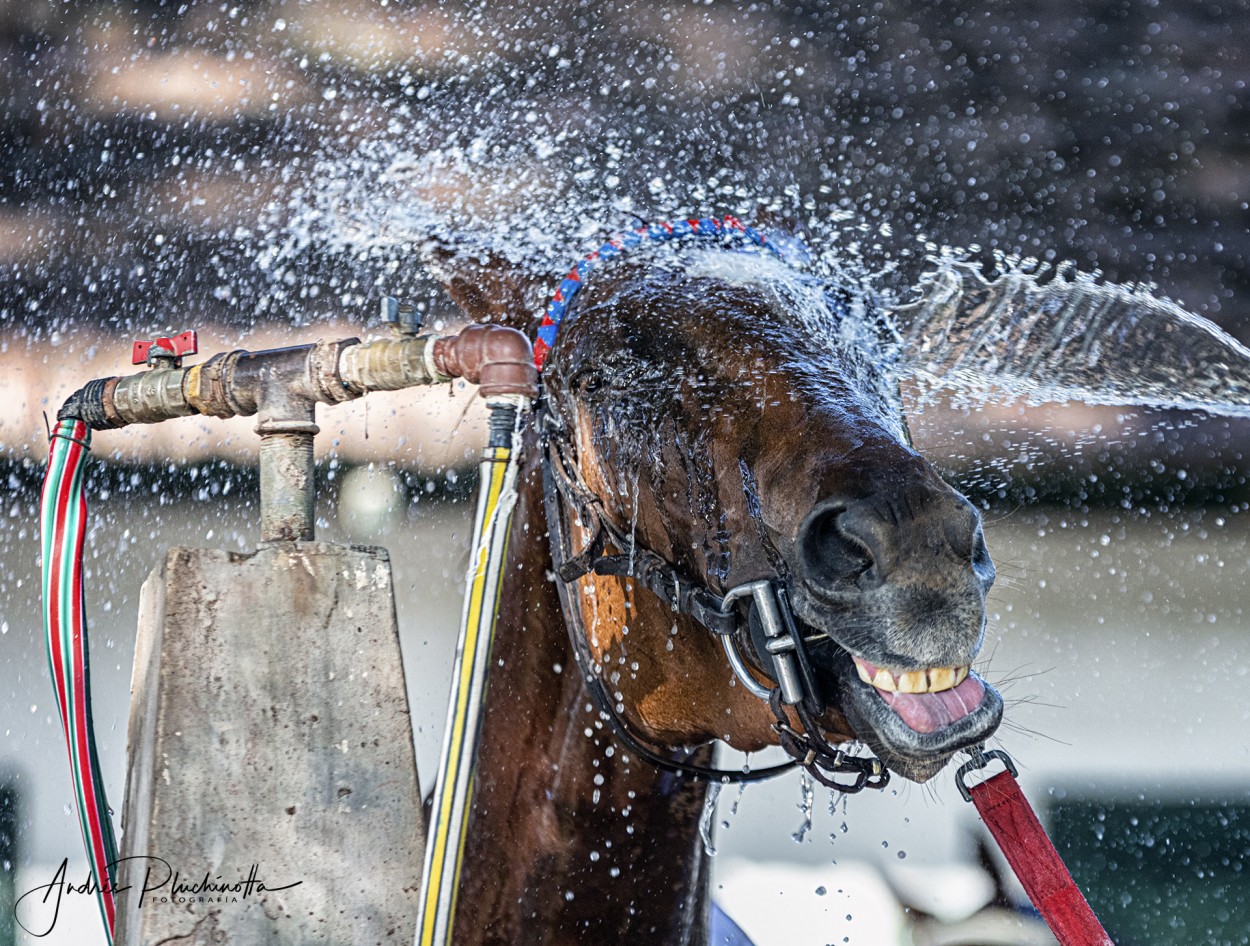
x=453, y=792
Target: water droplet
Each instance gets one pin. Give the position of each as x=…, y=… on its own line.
x=806, y=806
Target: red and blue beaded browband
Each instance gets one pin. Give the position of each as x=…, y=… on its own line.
x=652, y=233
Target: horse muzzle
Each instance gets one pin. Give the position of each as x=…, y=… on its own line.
x=913, y=720
x=916, y=734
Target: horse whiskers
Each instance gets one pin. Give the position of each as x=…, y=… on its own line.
x=1005, y=582
x=1014, y=676
x=1006, y=515
x=1032, y=733
x=1034, y=700
x=1015, y=565
x=1013, y=580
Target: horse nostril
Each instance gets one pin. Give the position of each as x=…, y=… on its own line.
x=829, y=552
x=982, y=564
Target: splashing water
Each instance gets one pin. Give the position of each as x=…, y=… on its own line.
x=1067, y=338
x=1031, y=333
x=707, y=819
x=807, y=806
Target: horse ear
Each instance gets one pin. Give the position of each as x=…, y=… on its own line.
x=465, y=206
x=773, y=219
x=486, y=286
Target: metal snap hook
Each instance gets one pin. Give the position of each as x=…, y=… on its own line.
x=980, y=760
x=781, y=645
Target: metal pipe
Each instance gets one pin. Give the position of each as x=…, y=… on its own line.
x=150, y=397
x=496, y=358
x=286, y=482
x=390, y=364
x=282, y=386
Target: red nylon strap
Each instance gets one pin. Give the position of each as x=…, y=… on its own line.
x=1037, y=864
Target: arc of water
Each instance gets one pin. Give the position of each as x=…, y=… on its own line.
x=1072, y=338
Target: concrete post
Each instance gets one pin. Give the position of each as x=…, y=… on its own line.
x=270, y=738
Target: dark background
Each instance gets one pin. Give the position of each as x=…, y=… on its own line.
x=150, y=151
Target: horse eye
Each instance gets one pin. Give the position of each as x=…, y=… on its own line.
x=589, y=382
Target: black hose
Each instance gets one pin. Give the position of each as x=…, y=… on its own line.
x=87, y=404
x=502, y=425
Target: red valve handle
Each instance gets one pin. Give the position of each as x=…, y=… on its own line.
x=174, y=347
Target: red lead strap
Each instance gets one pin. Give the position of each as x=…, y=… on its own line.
x=1012, y=821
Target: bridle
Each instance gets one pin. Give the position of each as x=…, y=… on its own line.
x=768, y=627
x=782, y=654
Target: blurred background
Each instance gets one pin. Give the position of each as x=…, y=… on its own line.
x=231, y=167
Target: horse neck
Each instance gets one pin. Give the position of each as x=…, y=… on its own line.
x=572, y=840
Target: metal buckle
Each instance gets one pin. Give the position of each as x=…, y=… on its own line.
x=781, y=644
x=980, y=760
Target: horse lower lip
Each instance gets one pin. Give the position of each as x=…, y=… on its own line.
x=918, y=741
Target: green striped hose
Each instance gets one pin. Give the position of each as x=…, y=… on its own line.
x=63, y=519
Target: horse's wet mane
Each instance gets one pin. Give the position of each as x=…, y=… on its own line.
x=833, y=343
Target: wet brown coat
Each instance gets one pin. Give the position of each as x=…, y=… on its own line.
x=690, y=413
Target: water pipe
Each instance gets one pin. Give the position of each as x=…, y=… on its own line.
x=282, y=386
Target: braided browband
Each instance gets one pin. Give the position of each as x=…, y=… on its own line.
x=652, y=233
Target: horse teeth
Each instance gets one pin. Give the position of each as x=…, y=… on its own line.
x=884, y=680
x=928, y=680
x=913, y=681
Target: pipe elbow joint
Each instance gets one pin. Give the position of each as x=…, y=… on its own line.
x=500, y=360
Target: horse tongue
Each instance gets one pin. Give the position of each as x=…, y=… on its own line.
x=929, y=712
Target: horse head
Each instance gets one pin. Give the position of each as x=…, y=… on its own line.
x=716, y=415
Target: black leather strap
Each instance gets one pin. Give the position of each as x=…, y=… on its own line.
x=563, y=483
x=564, y=564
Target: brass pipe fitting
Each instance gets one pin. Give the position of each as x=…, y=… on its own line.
x=283, y=386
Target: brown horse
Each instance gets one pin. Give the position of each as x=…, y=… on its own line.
x=696, y=419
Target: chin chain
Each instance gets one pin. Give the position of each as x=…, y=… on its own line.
x=823, y=762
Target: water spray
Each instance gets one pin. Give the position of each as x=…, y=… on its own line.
x=281, y=387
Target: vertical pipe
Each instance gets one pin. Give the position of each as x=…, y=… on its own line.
x=286, y=481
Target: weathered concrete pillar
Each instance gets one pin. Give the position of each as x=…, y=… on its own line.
x=270, y=738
